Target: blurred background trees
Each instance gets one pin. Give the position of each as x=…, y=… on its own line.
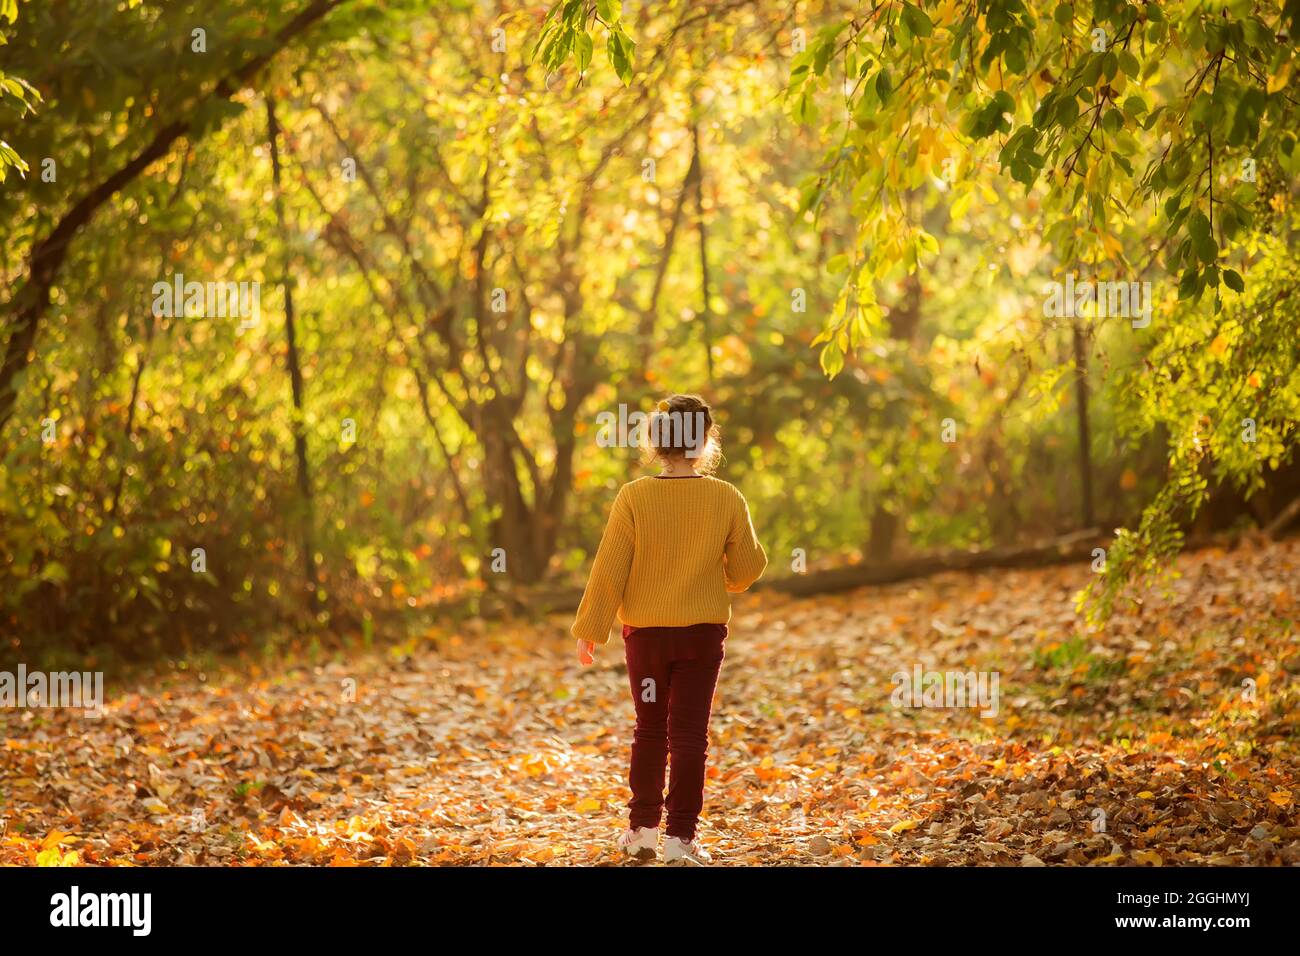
x=493, y=225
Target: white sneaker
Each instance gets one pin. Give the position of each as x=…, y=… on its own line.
x=641, y=843
x=677, y=850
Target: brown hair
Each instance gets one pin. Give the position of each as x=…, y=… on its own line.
x=682, y=426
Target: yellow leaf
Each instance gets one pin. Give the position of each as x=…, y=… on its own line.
x=590, y=805
x=1146, y=795
x=1111, y=244
x=1278, y=81
x=904, y=825
x=55, y=857
x=1149, y=857
x=924, y=139
x=53, y=839
x=1280, y=797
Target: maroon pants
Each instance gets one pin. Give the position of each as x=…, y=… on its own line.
x=673, y=672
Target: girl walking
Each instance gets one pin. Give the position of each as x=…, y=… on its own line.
x=675, y=544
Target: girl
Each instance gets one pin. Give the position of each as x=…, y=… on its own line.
x=673, y=547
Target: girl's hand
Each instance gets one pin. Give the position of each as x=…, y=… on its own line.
x=586, y=653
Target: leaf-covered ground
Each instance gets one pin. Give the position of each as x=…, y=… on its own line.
x=1168, y=740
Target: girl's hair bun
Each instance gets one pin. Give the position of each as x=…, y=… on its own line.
x=683, y=426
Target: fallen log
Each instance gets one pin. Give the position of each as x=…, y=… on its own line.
x=558, y=599
x=1278, y=525
x=1077, y=546
x=1067, y=549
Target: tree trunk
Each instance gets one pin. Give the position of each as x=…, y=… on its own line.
x=1085, y=434
x=904, y=319
x=884, y=528
x=646, y=325
x=705, y=284
x=129, y=428
x=515, y=528
x=308, y=516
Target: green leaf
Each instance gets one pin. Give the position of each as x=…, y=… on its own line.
x=822, y=56
x=831, y=359
x=917, y=22
x=582, y=47
x=883, y=86
x=619, y=48
x=611, y=11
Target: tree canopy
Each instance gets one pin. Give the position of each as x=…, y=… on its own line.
x=1138, y=142
x=955, y=275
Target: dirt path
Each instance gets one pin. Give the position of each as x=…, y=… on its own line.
x=1140, y=746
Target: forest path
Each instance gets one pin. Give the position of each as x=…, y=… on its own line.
x=1138, y=747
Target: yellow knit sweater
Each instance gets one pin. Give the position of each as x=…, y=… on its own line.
x=672, y=549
